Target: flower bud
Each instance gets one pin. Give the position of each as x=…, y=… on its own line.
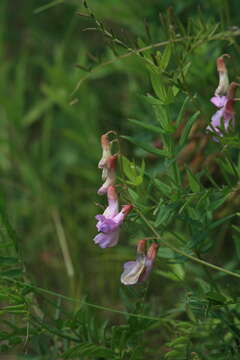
x=223, y=77
x=109, y=172
x=106, y=151
x=152, y=251
x=141, y=246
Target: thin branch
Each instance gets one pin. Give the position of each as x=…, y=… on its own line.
x=220, y=36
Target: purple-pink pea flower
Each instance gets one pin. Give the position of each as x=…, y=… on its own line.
x=110, y=221
x=138, y=271
x=223, y=99
x=226, y=112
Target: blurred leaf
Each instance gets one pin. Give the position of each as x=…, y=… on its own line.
x=187, y=128
x=165, y=58
x=149, y=148
x=149, y=127
x=193, y=181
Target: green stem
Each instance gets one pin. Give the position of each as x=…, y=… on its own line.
x=82, y=302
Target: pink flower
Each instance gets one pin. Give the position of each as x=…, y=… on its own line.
x=226, y=111
x=109, y=222
x=109, y=174
x=138, y=271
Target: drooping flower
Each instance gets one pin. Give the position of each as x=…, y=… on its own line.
x=223, y=76
x=138, y=271
x=106, y=154
x=109, y=174
x=110, y=221
x=226, y=112
x=219, y=99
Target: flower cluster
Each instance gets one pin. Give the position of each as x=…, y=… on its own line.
x=108, y=223
x=223, y=99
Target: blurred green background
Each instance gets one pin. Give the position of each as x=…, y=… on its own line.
x=49, y=137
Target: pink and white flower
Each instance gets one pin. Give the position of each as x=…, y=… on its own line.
x=109, y=174
x=106, y=154
x=223, y=99
x=110, y=221
x=138, y=271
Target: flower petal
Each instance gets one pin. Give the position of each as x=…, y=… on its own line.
x=133, y=270
x=216, y=121
x=107, y=240
x=218, y=101
x=105, y=225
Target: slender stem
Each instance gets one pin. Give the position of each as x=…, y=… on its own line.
x=63, y=243
x=220, y=36
x=123, y=56
x=83, y=302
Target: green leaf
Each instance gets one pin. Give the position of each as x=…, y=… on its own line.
x=193, y=181
x=178, y=270
x=236, y=238
x=133, y=195
x=220, y=221
x=133, y=173
x=89, y=350
x=167, y=274
x=128, y=168
x=165, y=253
x=48, y=6
x=12, y=272
x=149, y=127
x=187, y=128
x=163, y=187
x=163, y=119
x=217, y=297
x=165, y=58
x=181, y=112
x=8, y=260
x=36, y=112
x=175, y=354
x=164, y=215
x=149, y=148
x=179, y=340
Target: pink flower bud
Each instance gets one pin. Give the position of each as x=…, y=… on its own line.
x=152, y=251
x=223, y=77
x=126, y=209
x=141, y=246
x=106, y=151
x=109, y=172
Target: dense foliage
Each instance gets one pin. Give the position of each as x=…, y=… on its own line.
x=70, y=72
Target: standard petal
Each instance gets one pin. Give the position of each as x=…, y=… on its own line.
x=133, y=270
x=218, y=101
